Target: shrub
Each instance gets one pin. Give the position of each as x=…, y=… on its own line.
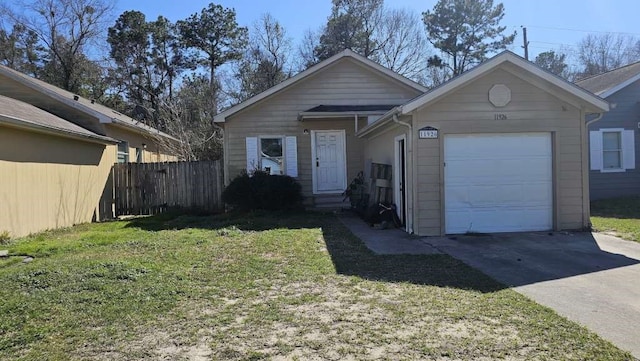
x=263, y=191
x=5, y=237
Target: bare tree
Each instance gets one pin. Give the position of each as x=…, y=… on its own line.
x=403, y=46
x=190, y=119
x=603, y=52
x=307, y=50
x=66, y=28
x=266, y=61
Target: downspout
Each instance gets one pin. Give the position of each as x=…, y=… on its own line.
x=594, y=120
x=409, y=204
x=585, y=170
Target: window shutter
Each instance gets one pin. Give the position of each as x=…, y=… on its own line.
x=291, y=156
x=595, y=149
x=628, y=149
x=252, y=154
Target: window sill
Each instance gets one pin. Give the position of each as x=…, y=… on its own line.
x=613, y=170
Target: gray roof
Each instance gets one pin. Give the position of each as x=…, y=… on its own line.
x=22, y=114
x=80, y=103
x=352, y=108
x=603, y=83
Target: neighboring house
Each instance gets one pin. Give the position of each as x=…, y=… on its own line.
x=52, y=172
x=137, y=141
x=614, y=138
x=56, y=153
x=499, y=148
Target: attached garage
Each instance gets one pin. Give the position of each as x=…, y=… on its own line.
x=500, y=148
x=498, y=182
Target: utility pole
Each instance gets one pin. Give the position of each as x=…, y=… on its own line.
x=526, y=43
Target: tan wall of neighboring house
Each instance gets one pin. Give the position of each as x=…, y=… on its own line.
x=531, y=109
x=343, y=83
x=153, y=152
x=49, y=181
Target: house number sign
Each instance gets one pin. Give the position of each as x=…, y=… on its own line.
x=428, y=133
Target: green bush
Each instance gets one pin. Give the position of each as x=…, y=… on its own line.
x=261, y=190
x=5, y=237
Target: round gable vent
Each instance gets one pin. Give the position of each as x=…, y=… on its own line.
x=499, y=95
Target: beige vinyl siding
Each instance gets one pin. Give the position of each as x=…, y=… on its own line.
x=152, y=153
x=343, y=83
x=48, y=181
x=531, y=109
x=16, y=90
x=380, y=148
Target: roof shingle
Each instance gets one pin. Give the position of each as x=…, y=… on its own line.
x=602, y=83
x=30, y=115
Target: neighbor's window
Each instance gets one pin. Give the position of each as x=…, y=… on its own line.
x=272, y=155
x=612, y=150
x=139, y=155
x=123, y=152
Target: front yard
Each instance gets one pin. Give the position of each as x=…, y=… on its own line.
x=262, y=287
x=620, y=216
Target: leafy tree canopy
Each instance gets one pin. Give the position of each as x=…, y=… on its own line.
x=465, y=31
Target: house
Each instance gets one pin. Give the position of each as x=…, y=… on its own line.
x=52, y=172
x=613, y=139
x=500, y=148
x=137, y=141
x=56, y=154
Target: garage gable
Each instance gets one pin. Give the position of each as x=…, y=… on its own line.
x=509, y=154
x=525, y=70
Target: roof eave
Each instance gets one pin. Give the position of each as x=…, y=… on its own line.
x=385, y=119
x=138, y=129
x=320, y=115
x=22, y=124
x=609, y=92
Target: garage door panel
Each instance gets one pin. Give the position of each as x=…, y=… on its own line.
x=498, y=182
x=496, y=220
x=538, y=194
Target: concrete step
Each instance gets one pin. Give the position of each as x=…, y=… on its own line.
x=330, y=202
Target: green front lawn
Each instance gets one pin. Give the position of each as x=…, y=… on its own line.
x=262, y=287
x=620, y=216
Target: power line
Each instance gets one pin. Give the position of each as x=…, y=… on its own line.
x=580, y=30
x=551, y=43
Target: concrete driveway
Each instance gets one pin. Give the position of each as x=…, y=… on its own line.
x=593, y=279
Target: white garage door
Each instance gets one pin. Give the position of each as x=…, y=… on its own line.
x=498, y=182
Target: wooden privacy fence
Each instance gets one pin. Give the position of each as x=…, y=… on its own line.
x=152, y=188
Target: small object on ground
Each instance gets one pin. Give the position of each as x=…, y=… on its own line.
x=519, y=260
x=4, y=253
x=27, y=259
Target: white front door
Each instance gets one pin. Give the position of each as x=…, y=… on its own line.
x=328, y=157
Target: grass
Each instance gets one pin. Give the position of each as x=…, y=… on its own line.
x=261, y=286
x=619, y=215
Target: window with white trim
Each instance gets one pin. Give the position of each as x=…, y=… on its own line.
x=612, y=150
x=123, y=152
x=272, y=154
